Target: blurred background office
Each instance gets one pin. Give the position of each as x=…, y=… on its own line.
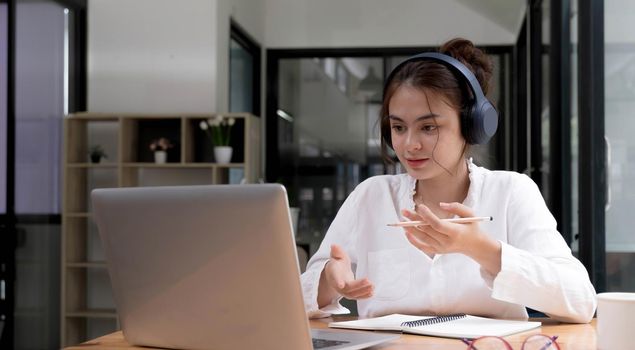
x=312, y=72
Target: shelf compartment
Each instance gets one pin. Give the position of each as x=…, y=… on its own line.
x=84, y=132
x=139, y=133
x=200, y=148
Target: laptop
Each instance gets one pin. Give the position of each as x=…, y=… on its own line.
x=209, y=267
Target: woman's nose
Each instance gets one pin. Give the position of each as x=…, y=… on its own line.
x=413, y=143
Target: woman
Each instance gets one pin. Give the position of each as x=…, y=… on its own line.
x=431, y=113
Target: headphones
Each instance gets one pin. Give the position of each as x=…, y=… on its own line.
x=480, y=121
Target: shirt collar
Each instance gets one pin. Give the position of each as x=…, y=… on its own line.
x=475, y=174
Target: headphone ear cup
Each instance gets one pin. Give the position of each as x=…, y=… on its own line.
x=484, y=123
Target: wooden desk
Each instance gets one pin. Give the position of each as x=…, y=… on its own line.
x=570, y=336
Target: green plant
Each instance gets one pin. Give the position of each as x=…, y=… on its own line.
x=96, y=152
x=218, y=129
x=160, y=144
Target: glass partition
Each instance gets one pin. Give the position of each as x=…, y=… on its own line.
x=619, y=70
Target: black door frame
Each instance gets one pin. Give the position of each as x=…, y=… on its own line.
x=560, y=117
x=592, y=183
x=9, y=220
x=518, y=121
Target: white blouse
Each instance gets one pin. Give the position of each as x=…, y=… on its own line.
x=537, y=268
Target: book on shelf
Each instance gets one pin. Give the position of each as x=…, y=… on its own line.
x=451, y=326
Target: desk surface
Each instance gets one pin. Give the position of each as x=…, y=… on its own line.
x=570, y=336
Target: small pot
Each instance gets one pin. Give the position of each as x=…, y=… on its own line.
x=160, y=157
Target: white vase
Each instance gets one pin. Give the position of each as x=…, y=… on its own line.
x=160, y=157
x=223, y=154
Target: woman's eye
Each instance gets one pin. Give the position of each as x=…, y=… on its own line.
x=397, y=128
x=429, y=127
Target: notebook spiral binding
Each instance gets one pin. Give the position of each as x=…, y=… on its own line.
x=433, y=320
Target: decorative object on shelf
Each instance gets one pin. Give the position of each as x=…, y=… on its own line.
x=160, y=147
x=96, y=153
x=218, y=129
x=223, y=154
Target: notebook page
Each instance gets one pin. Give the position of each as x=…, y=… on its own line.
x=474, y=327
x=385, y=323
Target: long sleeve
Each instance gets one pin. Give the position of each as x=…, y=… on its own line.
x=342, y=233
x=537, y=267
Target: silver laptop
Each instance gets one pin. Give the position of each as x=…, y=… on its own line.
x=209, y=267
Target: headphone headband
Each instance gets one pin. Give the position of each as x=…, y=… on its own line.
x=481, y=120
x=450, y=62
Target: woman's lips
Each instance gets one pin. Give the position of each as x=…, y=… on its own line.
x=416, y=163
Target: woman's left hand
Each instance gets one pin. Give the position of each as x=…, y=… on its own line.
x=440, y=237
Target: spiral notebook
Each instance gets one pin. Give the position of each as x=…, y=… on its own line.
x=451, y=326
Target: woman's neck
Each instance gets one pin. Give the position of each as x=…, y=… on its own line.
x=449, y=187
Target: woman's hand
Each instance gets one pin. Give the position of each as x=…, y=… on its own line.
x=440, y=237
x=338, y=279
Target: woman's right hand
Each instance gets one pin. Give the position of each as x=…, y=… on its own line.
x=338, y=278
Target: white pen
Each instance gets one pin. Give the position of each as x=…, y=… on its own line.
x=454, y=220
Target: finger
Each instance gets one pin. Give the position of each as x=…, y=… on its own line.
x=337, y=252
x=335, y=276
x=358, y=287
x=457, y=208
x=356, y=284
x=410, y=214
x=419, y=244
x=355, y=288
x=338, y=282
x=432, y=219
x=358, y=293
x=426, y=234
x=361, y=294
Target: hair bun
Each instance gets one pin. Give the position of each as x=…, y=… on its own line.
x=472, y=57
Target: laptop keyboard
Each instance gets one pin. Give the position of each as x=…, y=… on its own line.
x=323, y=343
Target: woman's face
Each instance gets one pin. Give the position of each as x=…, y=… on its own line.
x=426, y=132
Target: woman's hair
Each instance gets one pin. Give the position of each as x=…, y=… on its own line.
x=433, y=76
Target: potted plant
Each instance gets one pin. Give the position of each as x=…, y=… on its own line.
x=159, y=147
x=218, y=129
x=96, y=153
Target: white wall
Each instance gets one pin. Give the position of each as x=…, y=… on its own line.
x=377, y=23
x=250, y=16
x=161, y=56
x=618, y=21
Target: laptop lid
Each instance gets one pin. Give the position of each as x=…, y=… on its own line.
x=203, y=267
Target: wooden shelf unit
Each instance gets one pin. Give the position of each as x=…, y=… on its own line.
x=129, y=163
